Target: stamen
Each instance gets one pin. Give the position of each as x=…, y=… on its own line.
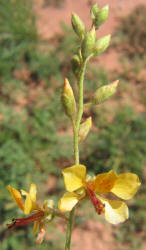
x=41, y=236
x=24, y=221
x=99, y=206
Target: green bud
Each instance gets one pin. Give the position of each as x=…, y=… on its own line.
x=78, y=25
x=101, y=45
x=101, y=16
x=94, y=11
x=68, y=100
x=75, y=65
x=88, y=43
x=49, y=204
x=84, y=129
x=49, y=210
x=104, y=92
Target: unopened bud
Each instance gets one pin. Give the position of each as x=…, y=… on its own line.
x=88, y=43
x=68, y=100
x=94, y=11
x=75, y=65
x=78, y=25
x=101, y=16
x=49, y=204
x=49, y=210
x=104, y=92
x=101, y=45
x=84, y=129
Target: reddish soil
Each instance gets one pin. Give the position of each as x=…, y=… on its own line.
x=49, y=19
x=93, y=236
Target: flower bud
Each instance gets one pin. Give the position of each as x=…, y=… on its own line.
x=101, y=16
x=49, y=204
x=49, y=210
x=94, y=11
x=101, y=45
x=88, y=43
x=104, y=92
x=78, y=25
x=84, y=129
x=68, y=100
x=75, y=65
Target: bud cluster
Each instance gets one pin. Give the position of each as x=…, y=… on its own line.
x=89, y=47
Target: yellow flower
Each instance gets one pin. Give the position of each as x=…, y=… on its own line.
x=41, y=216
x=97, y=189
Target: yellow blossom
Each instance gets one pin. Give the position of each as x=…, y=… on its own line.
x=41, y=216
x=97, y=188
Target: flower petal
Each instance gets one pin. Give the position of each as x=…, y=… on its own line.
x=74, y=177
x=105, y=182
x=16, y=196
x=115, y=211
x=68, y=201
x=126, y=186
x=28, y=204
x=32, y=192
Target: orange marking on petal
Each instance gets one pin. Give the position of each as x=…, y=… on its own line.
x=105, y=182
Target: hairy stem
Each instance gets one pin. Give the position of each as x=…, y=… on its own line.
x=76, y=126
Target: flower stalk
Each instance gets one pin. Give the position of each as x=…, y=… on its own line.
x=76, y=126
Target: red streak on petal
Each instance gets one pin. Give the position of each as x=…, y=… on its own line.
x=28, y=220
x=99, y=206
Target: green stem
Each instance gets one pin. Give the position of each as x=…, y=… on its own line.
x=76, y=126
x=58, y=214
x=80, y=113
x=69, y=230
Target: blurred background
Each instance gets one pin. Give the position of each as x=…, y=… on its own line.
x=36, y=45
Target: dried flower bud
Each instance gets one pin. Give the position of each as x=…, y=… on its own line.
x=75, y=65
x=104, y=92
x=78, y=25
x=88, y=43
x=68, y=100
x=85, y=128
x=101, y=45
x=94, y=11
x=101, y=16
